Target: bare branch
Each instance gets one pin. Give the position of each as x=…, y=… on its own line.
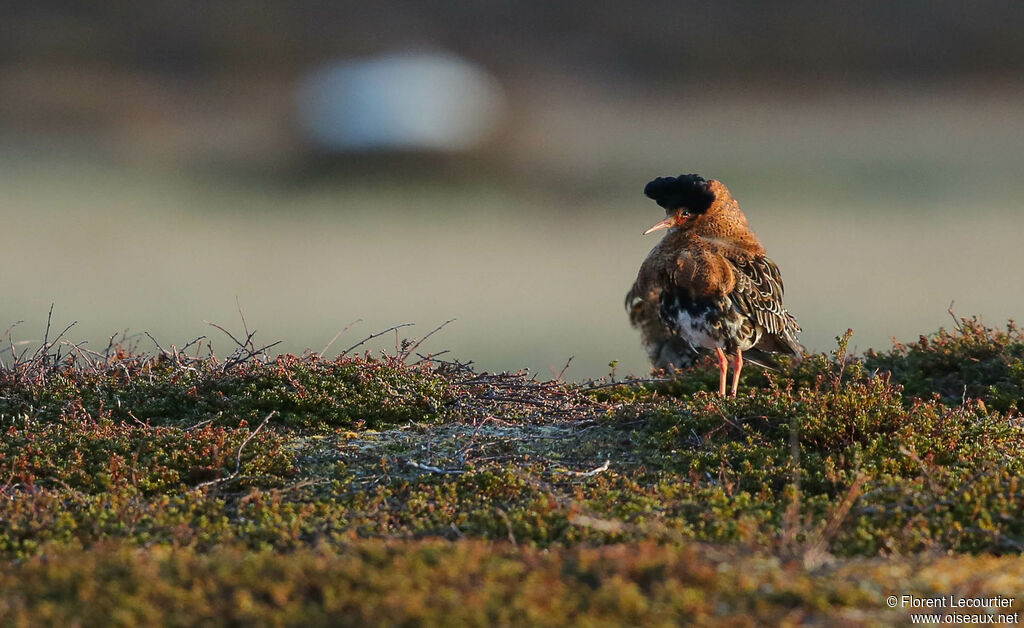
x=564, y=368
x=346, y=328
x=161, y=349
x=593, y=472
x=508, y=525
x=46, y=335
x=10, y=338
x=197, y=340
x=44, y=349
x=377, y=335
x=245, y=327
x=430, y=357
x=416, y=345
x=83, y=353
x=956, y=321
x=230, y=335
x=238, y=458
x=431, y=469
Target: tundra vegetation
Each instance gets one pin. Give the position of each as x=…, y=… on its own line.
x=176, y=487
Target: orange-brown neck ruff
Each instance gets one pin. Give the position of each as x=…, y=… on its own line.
x=723, y=229
x=696, y=255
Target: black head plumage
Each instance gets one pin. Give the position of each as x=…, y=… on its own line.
x=687, y=190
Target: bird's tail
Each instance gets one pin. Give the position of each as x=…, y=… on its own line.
x=761, y=358
x=765, y=358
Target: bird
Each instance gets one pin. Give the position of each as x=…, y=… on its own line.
x=707, y=286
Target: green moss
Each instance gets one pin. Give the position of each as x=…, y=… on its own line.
x=471, y=583
x=302, y=391
x=86, y=456
x=831, y=455
x=970, y=362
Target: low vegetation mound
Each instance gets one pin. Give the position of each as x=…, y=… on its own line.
x=361, y=468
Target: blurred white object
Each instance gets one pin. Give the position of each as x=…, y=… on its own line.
x=407, y=101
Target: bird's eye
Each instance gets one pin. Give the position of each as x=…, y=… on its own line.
x=685, y=213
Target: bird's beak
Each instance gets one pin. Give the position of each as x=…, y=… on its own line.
x=664, y=224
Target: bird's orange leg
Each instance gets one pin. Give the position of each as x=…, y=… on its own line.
x=736, y=367
x=723, y=368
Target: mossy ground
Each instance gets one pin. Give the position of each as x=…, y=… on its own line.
x=363, y=490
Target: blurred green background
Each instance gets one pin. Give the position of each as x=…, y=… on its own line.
x=156, y=165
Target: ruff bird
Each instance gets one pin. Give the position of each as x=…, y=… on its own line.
x=707, y=286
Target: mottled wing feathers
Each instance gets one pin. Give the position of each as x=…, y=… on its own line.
x=758, y=295
x=634, y=305
x=665, y=349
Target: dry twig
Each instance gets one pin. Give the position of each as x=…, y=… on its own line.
x=593, y=472
x=408, y=350
x=431, y=469
x=238, y=457
x=344, y=329
x=377, y=335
